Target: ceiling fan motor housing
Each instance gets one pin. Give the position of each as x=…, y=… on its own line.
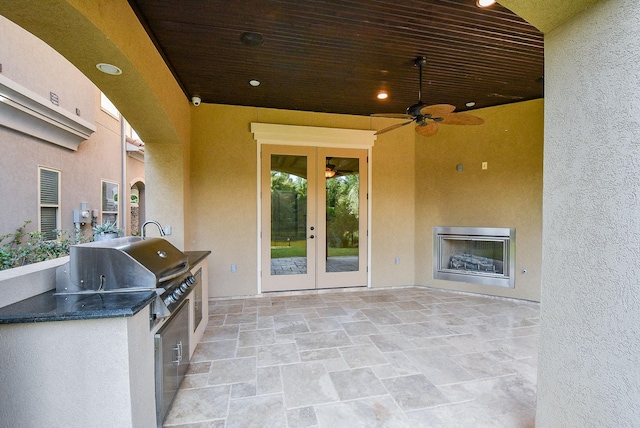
x=414, y=110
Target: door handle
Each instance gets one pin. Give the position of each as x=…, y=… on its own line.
x=178, y=353
x=311, y=237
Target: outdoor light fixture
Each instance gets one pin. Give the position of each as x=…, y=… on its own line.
x=330, y=169
x=328, y=173
x=485, y=3
x=109, y=69
x=254, y=82
x=383, y=96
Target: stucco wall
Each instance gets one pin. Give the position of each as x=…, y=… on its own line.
x=393, y=207
x=224, y=191
x=87, y=33
x=590, y=340
x=27, y=61
x=507, y=194
x=224, y=194
x=30, y=63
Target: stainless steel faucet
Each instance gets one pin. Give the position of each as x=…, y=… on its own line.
x=154, y=222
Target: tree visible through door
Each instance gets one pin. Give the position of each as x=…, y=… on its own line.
x=314, y=218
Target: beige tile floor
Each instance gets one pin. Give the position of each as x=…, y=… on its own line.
x=409, y=357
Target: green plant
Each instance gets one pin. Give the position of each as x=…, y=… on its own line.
x=107, y=227
x=23, y=248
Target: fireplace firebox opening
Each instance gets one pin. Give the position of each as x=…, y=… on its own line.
x=479, y=255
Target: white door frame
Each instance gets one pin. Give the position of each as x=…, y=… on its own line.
x=294, y=135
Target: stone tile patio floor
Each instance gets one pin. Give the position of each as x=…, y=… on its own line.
x=409, y=357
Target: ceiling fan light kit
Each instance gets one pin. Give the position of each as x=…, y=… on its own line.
x=427, y=117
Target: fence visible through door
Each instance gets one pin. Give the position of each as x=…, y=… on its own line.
x=314, y=217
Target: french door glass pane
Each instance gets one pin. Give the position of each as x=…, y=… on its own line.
x=288, y=215
x=343, y=201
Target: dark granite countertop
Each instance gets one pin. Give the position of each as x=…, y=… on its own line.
x=52, y=307
x=196, y=257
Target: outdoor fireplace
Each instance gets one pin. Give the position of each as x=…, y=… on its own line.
x=479, y=255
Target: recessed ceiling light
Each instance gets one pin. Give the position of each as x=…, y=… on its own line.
x=254, y=82
x=470, y=104
x=485, y=3
x=108, y=69
x=382, y=96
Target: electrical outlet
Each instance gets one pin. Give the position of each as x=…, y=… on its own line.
x=485, y=165
x=233, y=268
x=397, y=261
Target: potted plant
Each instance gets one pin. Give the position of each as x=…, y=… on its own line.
x=105, y=231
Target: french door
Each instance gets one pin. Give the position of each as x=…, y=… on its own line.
x=314, y=217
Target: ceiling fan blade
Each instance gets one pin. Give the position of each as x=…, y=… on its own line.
x=461, y=119
x=392, y=127
x=437, y=110
x=393, y=115
x=428, y=129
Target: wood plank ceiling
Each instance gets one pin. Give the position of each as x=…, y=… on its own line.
x=336, y=55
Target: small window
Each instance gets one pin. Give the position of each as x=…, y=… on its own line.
x=109, y=202
x=49, y=202
x=108, y=107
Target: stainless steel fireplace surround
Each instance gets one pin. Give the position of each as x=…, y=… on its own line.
x=479, y=255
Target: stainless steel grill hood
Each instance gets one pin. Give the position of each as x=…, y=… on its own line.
x=120, y=264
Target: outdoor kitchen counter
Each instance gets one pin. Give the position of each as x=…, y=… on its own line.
x=51, y=307
x=196, y=257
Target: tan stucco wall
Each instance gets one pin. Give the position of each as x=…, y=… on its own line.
x=507, y=194
x=90, y=32
x=29, y=63
x=572, y=397
x=223, y=209
x=588, y=372
x=409, y=195
x=224, y=194
x=547, y=15
x=32, y=64
x=393, y=207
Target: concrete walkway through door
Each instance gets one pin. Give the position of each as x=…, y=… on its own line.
x=298, y=265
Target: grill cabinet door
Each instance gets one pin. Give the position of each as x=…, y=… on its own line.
x=172, y=359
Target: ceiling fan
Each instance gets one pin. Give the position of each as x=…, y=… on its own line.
x=428, y=117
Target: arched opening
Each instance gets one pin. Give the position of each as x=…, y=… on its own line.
x=137, y=207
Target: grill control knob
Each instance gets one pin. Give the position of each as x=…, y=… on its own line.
x=177, y=292
x=169, y=300
x=191, y=279
x=183, y=287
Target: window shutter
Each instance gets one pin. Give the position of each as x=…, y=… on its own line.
x=48, y=222
x=49, y=203
x=48, y=187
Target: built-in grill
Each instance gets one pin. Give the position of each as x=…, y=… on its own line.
x=134, y=264
x=126, y=265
